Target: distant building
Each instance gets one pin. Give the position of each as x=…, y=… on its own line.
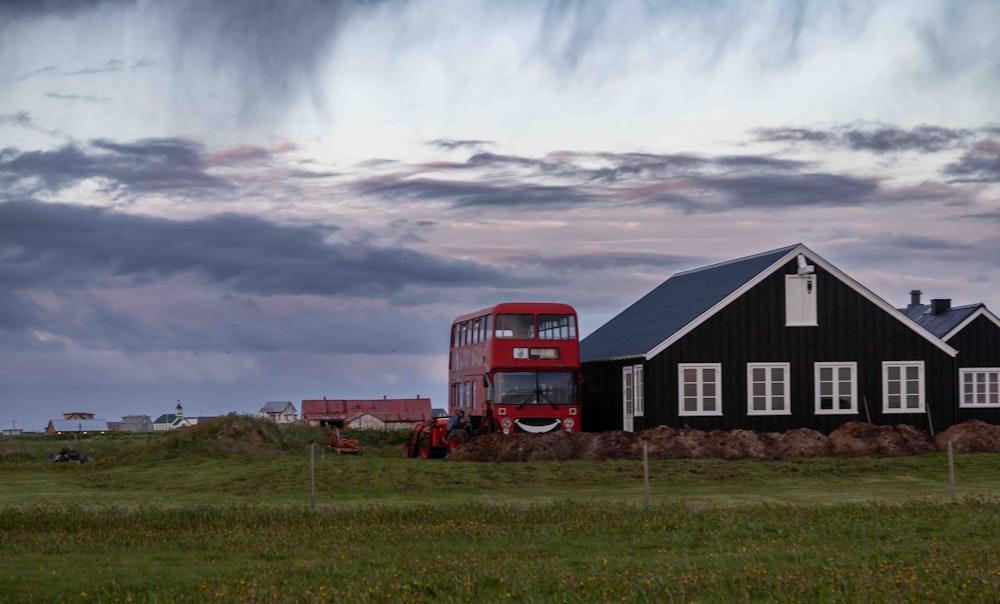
x=367, y=414
x=136, y=423
x=77, y=426
x=177, y=419
x=78, y=415
x=12, y=432
x=282, y=412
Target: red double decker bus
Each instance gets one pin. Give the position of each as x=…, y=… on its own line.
x=515, y=367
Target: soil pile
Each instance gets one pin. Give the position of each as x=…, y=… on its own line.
x=853, y=439
x=970, y=437
x=857, y=439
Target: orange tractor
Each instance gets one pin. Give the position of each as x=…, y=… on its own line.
x=438, y=437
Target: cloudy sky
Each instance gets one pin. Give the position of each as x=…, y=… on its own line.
x=231, y=202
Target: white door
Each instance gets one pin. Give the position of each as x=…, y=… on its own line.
x=628, y=398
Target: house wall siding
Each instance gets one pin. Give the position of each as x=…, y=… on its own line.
x=752, y=329
x=979, y=346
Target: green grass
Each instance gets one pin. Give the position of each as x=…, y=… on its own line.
x=222, y=514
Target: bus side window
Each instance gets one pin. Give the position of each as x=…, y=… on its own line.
x=489, y=326
x=475, y=331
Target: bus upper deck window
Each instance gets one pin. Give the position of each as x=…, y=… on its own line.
x=556, y=327
x=517, y=327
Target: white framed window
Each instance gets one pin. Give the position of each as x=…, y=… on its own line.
x=767, y=389
x=980, y=387
x=700, y=388
x=836, y=388
x=902, y=386
x=800, y=301
x=632, y=392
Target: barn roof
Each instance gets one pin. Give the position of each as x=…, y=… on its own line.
x=79, y=425
x=406, y=409
x=687, y=299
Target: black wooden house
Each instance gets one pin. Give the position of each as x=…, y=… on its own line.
x=770, y=342
x=975, y=332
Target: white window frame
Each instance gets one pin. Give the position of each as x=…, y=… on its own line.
x=700, y=367
x=768, y=389
x=921, y=379
x=640, y=391
x=988, y=371
x=837, y=395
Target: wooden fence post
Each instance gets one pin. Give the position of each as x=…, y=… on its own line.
x=951, y=472
x=312, y=475
x=645, y=470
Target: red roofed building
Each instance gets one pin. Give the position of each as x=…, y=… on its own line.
x=377, y=414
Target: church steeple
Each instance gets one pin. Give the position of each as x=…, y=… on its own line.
x=179, y=411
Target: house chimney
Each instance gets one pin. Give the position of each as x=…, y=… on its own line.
x=940, y=305
x=385, y=396
x=914, y=298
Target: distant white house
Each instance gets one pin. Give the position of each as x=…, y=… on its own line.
x=282, y=412
x=177, y=419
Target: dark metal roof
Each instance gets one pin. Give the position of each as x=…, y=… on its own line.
x=671, y=306
x=942, y=323
x=276, y=407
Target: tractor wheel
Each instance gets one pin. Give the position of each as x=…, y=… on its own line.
x=457, y=438
x=424, y=448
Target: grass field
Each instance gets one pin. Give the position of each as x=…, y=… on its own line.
x=183, y=518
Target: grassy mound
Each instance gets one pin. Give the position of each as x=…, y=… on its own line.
x=232, y=434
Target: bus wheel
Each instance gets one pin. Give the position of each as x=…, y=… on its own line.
x=457, y=438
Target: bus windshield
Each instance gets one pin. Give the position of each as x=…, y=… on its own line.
x=535, y=387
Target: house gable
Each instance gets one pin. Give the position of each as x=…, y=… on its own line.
x=981, y=314
x=749, y=328
x=789, y=256
x=687, y=299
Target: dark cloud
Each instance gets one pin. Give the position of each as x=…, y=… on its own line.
x=11, y=10
x=888, y=249
x=877, y=138
x=83, y=98
x=783, y=191
x=18, y=118
x=68, y=246
x=451, y=145
x=474, y=194
x=689, y=182
x=144, y=166
x=609, y=261
x=980, y=163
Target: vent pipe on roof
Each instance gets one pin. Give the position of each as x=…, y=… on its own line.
x=914, y=298
x=940, y=305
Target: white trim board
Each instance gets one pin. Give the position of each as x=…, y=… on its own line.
x=815, y=258
x=982, y=311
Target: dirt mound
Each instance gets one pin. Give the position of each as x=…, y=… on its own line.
x=853, y=439
x=972, y=436
x=857, y=439
x=802, y=442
